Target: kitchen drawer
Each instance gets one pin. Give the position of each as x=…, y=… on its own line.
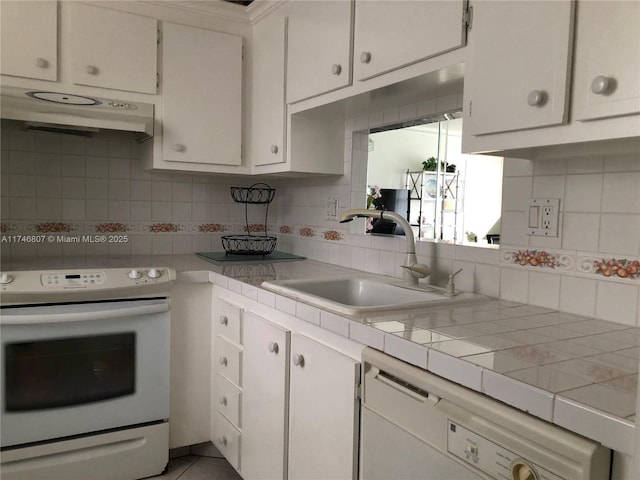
x=229, y=400
x=227, y=440
x=229, y=321
x=229, y=358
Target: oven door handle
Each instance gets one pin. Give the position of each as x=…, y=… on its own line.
x=68, y=317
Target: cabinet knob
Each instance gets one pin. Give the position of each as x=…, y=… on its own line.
x=536, y=98
x=298, y=360
x=600, y=85
x=274, y=149
x=273, y=347
x=223, y=401
x=365, y=57
x=336, y=69
x=41, y=62
x=224, y=320
x=222, y=440
x=178, y=147
x=91, y=69
x=223, y=361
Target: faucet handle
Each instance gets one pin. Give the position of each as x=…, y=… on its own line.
x=418, y=270
x=451, y=287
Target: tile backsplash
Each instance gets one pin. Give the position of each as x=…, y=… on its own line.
x=61, y=185
x=63, y=189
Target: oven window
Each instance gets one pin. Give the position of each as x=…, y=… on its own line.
x=69, y=371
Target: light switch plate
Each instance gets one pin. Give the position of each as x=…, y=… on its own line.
x=542, y=217
x=332, y=208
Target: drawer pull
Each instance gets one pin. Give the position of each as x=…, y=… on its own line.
x=273, y=347
x=224, y=320
x=223, y=401
x=222, y=440
x=223, y=361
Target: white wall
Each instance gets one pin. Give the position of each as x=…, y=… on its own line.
x=395, y=152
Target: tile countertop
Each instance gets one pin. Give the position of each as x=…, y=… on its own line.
x=577, y=372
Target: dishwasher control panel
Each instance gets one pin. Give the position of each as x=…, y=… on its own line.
x=490, y=458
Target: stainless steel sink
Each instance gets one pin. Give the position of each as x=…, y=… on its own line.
x=360, y=296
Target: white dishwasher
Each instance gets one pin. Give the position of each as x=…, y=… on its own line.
x=416, y=425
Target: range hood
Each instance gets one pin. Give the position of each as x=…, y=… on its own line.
x=74, y=114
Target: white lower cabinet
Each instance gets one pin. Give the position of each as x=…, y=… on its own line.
x=226, y=386
x=264, y=406
x=190, y=352
x=299, y=412
x=324, y=412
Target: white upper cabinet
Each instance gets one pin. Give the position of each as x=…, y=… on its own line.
x=29, y=39
x=389, y=35
x=201, y=96
x=319, y=47
x=607, y=59
x=519, y=66
x=268, y=102
x=113, y=49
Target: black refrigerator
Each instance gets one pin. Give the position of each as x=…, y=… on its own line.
x=394, y=200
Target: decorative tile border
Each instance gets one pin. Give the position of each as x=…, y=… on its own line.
x=540, y=259
x=177, y=228
x=306, y=232
x=211, y=228
x=113, y=228
x=54, y=227
x=610, y=267
x=332, y=235
x=604, y=267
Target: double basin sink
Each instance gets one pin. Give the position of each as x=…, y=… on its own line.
x=357, y=296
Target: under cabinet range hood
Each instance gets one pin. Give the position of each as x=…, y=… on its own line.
x=74, y=114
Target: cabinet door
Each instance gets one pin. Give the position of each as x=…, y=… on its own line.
x=112, y=49
x=269, y=122
x=201, y=95
x=190, y=364
x=607, y=59
x=264, y=403
x=323, y=412
x=318, y=47
x=389, y=35
x=519, y=68
x=29, y=39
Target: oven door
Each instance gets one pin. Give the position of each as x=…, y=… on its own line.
x=79, y=368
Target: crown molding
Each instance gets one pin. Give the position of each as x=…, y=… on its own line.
x=261, y=8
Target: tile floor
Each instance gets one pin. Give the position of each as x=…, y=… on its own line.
x=194, y=467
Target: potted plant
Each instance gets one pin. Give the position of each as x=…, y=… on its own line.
x=431, y=164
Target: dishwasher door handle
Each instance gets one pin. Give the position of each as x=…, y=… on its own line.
x=406, y=388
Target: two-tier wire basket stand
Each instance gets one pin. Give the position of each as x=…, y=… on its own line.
x=253, y=243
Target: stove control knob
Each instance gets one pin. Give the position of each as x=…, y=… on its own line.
x=134, y=274
x=5, y=278
x=154, y=273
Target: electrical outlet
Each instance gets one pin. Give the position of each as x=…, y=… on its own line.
x=332, y=208
x=543, y=217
